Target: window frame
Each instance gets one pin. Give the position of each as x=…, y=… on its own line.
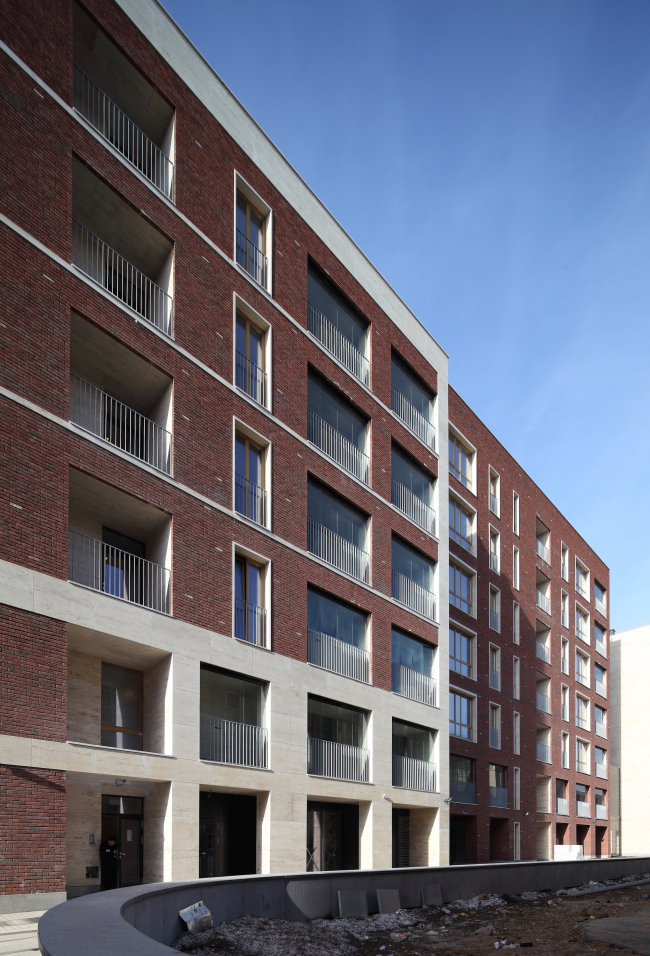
x=253, y=198
x=495, y=709
x=252, y=317
x=244, y=431
x=454, y=434
x=515, y=567
x=516, y=678
x=585, y=570
x=240, y=551
x=493, y=474
x=473, y=716
x=580, y=610
x=515, y=513
x=463, y=505
x=516, y=732
x=495, y=592
x=471, y=574
x=516, y=623
x=495, y=535
x=471, y=636
x=124, y=730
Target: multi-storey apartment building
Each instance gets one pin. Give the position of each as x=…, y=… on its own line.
x=224, y=563
x=528, y=663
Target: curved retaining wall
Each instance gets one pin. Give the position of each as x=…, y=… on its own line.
x=144, y=920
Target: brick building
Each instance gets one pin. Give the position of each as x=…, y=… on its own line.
x=224, y=558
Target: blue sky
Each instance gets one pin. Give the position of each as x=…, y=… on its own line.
x=492, y=158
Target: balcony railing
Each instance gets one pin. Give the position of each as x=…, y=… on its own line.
x=565, y=665
x=601, y=811
x=543, y=652
x=543, y=753
x=103, y=568
x=565, y=619
x=252, y=259
x=600, y=647
x=411, y=683
x=337, y=551
x=250, y=378
x=412, y=418
x=494, y=562
x=337, y=656
x=562, y=806
x=250, y=500
x=413, y=774
x=600, y=688
x=341, y=761
x=543, y=702
x=250, y=622
x=332, y=443
x=413, y=507
x=106, y=418
x=601, y=770
x=601, y=729
x=565, y=711
x=413, y=595
x=495, y=737
x=226, y=741
x=337, y=343
x=542, y=601
x=112, y=272
x=565, y=760
x=495, y=681
x=122, y=133
x=600, y=606
x=499, y=797
x=494, y=620
x=462, y=791
x=494, y=504
x=582, y=808
x=543, y=552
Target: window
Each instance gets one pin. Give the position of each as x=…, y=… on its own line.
x=516, y=733
x=250, y=494
x=495, y=667
x=461, y=715
x=462, y=783
x=516, y=678
x=564, y=701
x=494, y=550
x=542, y=591
x=600, y=598
x=412, y=579
x=495, y=605
x=495, y=726
x=331, y=727
x=412, y=668
x=542, y=541
x=564, y=562
x=251, y=240
x=599, y=636
x=413, y=743
x=121, y=708
x=516, y=781
x=250, y=613
x=461, y=652
x=515, y=568
x=565, y=656
x=582, y=668
x=498, y=786
x=543, y=642
x=582, y=580
x=336, y=532
x=601, y=806
x=336, y=636
x=232, y=718
x=600, y=718
x=494, y=492
x=564, y=602
x=515, y=622
x=582, y=712
x=460, y=461
x=543, y=693
x=461, y=523
x=600, y=679
x=565, y=751
x=336, y=428
x=412, y=490
x=337, y=324
x=582, y=756
x=460, y=588
x=250, y=359
x=412, y=401
x=562, y=804
x=515, y=512
x=582, y=624
x=582, y=797
x=600, y=759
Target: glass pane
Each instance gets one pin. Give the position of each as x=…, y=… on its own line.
x=240, y=456
x=240, y=336
x=255, y=345
x=412, y=565
x=240, y=579
x=412, y=477
x=241, y=214
x=411, y=653
x=325, y=299
x=325, y=403
x=407, y=384
x=254, y=464
x=329, y=510
x=329, y=721
x=120, y=697
x=461, y=768
x=411, y=741
x=255, y=585
x=328, y=616
x=256, y=228
x=230, y=698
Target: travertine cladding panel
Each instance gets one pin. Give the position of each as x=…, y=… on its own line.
x=32, y=674
x=32, y=830
x=533, y=504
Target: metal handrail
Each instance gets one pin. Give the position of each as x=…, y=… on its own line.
x=412, y=684
x=104, y=568
x=333, y=444
x=542, y=601
x=412, y=418
x=250, y=378
x=122, y=133
x=499, y=797
x=250, y=500
x=337, y=551
x=252, y=259
x=326, y=758
x=412, y=506
x=113, y=272
x=495, y=680
x=413, y=595
x=338, y=344
x=112, y=421
x=227, y=741
x=543, y=552
x=338, y=656
x=543, y=652
x=495, y=737
x=543, y=703
x=544, y=753
x=250, y=622
x=413, y=774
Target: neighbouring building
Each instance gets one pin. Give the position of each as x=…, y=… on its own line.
x=230, y=454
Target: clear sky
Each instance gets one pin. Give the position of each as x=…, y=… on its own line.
x=492, y=158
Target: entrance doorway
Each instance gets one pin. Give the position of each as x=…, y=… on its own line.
x=499, y=840
x=332, y=836
x=227, y=834
x=122, y=817
x=457, y=840
x=601, y=843
x=582, y=837
x=401, y=837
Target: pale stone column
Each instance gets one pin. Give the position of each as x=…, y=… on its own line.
x=181, y=831
x=424, y=837
x=183, y=708
x=287, y=837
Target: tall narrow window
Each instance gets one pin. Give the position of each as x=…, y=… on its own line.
x=515, y=568
x=516, y=733
x=495, y=667
x=516, y=779
x=461, y=652
x=460, y=588
x=516, y=839
x=564, y=562
x=250, y=495
x=516, y=678
x=250, y=614
x=494, y=492
x=515, y=512
x=515, y=622
x=460, y=461
x=121, y=708
x=335, y=427
x=250, y=375
x=495, y=605
x=460, y=716
x=337, y=324
x=251, y=240
x=582, y=580
x=495, y=726
x=494, y=550
x=460, y=524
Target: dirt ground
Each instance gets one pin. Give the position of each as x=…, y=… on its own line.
x=464, y=928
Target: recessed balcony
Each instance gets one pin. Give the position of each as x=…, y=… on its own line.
x=232, y=718
x=582, y=808
x=413, y=774
x=339, y=657
x=411, y=683
x=412, y=418
x=337, y=447
x=338, y=344
x=335, y=741
x=462, y=791
x=413, y=507
x=337, y=551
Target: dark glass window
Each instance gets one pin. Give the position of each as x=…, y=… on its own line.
x=414, y=391
x=461, y=768
x=460, y=652
x=412, y=564
x=409, y=740
x=335, y=722
x=324, y=298
x=336, y=411
x=329, y=616
x=408, y=474
x=330, y=511
x=408, y=652
x=229, y=697
x=121, y=708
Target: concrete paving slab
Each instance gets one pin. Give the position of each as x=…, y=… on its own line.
x=19, y=933
x=353, y=904
x=629, y=932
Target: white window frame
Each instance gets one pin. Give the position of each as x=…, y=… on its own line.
x=516, y=733
x=516, y=786
x=492, y=473
x=459, y=500
x=587, y=743
x=605, y=696
x=516, y=622
x=516, y=841
x=454, y=432
x=243, y=187
x=516, y=678
x=240, y=305
x=495, y=590
x=494, y=647
x=515, y=513
x=473, y=637
x=495, y=708
x=586, y=658
x=587, y=572
x=240, y=550
x=493, y=534
x=565, y=657
x=473, y=698
x=515, y=567
x=455, y=560
x=243, y=429
x=564, y=695
x=565, y=739
x=578, y=609
x=564, y=552
x=583, y=697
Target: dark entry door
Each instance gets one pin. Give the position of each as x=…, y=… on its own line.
x=457, y=840
x=227, y=834
x=332, y=836
x=122, y=817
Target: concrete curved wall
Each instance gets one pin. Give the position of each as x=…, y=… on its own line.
x=143, y=920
